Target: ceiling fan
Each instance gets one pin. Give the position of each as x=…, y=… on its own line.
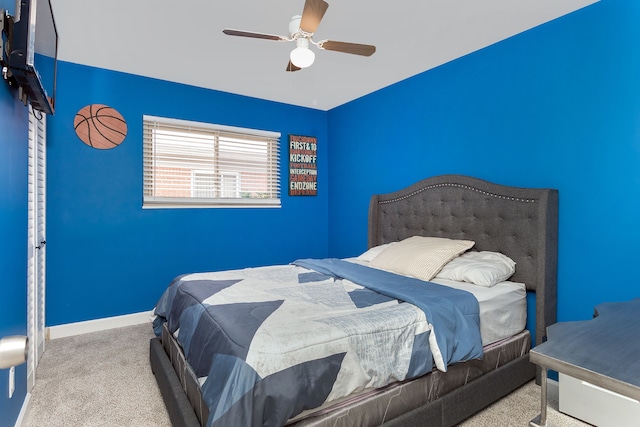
x=301, y=29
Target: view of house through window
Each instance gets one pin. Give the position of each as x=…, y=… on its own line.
x=190, y=164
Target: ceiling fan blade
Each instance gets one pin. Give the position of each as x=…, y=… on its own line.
x=354, y=48
x=292, y=67
x=254, y=35
x=312, y=15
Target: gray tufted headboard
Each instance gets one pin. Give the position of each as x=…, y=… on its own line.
x=521, y=223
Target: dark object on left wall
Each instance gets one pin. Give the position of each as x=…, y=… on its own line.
x=29, y=52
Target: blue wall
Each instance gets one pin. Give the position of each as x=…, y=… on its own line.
x=106, y=255
x=14, y=146
x=557, y=106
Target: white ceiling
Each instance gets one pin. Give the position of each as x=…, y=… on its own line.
x=182, y=41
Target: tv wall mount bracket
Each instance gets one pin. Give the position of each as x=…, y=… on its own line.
x=6, y=28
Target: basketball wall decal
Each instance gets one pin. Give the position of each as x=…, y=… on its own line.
x=100, y=126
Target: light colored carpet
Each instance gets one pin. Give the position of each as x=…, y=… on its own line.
x=98, y=379
x=518, y=408
x=104, y=379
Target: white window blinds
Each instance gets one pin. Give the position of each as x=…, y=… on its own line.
x=190, y=164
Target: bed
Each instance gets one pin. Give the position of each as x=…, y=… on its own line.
x=520, y=223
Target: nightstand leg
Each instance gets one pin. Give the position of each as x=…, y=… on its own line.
x=541, y=420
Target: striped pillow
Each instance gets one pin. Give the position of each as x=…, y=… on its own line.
x=420, y=257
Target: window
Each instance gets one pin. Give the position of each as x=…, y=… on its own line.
x=189, y=164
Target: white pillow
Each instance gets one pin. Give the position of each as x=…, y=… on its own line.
x=420, y=257
x=481, y=268
x=373, y=252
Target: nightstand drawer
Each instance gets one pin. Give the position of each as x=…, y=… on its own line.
x=596, y=405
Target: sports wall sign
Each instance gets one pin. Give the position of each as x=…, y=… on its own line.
x=303, y=170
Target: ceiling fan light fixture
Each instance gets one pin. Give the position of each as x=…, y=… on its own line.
x=301, y=30
x=302, y=56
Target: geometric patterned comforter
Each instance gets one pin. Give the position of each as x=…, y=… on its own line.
x=270, y=342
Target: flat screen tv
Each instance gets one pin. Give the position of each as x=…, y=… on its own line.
x=33, y=55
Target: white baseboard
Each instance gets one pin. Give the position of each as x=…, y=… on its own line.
x=24, y=411
x=78, y=328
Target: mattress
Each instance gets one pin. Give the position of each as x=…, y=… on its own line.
x=503, y=308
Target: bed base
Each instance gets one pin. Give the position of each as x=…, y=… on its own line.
x=180, y=411
x=447, y=410
x=456, y=406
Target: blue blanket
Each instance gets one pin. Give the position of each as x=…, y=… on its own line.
x=454, y=314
